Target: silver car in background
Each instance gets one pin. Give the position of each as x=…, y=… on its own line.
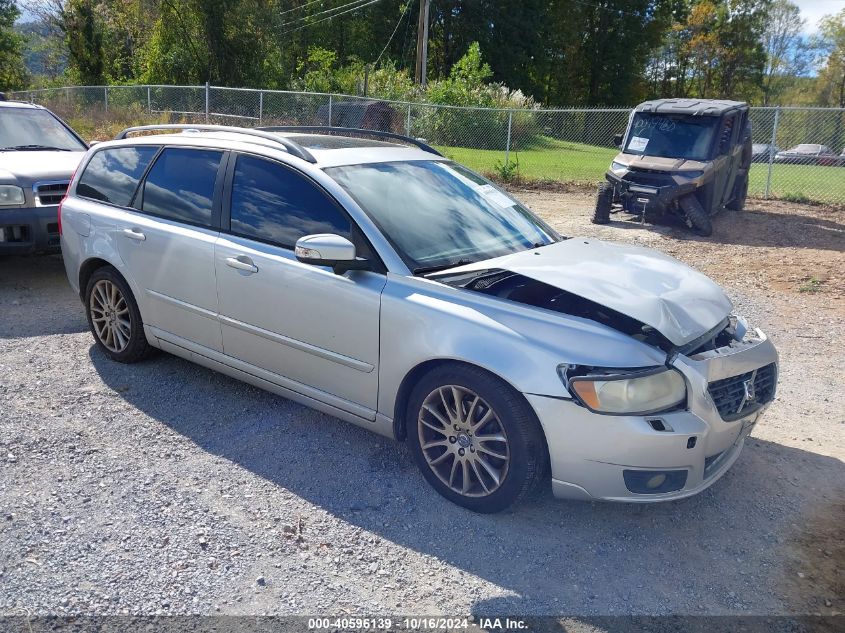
x=377, y=281
x=38, y=154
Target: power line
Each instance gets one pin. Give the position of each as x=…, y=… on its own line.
x=305, y=26
x=301, y=6
x=404, y=11
x=306, y=18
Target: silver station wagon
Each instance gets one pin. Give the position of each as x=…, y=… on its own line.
x=365, y=275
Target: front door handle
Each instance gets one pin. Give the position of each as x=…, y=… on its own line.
x=242, y=262
x=134, y=234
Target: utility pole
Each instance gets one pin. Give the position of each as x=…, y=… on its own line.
x=422, y=42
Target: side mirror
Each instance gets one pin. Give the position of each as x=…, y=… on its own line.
x=93, y=143
x=327, y=249
x=617, y=140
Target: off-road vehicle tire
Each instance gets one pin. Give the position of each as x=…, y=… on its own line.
x=604, y=202
x=114, y=318
x=740, y=194
x=697, y=218
x=436, y=427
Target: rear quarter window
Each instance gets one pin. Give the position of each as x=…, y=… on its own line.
x=112, y=174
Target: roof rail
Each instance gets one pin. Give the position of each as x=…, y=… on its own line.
x=316, y=129
x=294, y=149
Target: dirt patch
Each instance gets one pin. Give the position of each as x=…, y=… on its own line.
x=816, y=577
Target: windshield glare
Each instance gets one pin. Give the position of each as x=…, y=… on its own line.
x=440, y=214
x=670, y=136
x=25, y=126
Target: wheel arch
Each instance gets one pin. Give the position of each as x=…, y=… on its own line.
x=88, y=267
x=420, y=370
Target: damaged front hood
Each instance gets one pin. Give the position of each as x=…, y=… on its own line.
x=655, y=289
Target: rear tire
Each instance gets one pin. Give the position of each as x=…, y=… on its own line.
x=697, y=218
x=485, y=453
x=604, y=202
x=114, y=318
x=740, y=195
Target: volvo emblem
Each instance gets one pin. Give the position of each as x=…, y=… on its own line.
x=750, y=393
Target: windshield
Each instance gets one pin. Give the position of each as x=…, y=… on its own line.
x=438, y=214
x=671, y=136
x=26, y=128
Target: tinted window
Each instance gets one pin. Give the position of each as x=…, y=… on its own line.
x=180, y=185
x=113, y=174
x=274, y=203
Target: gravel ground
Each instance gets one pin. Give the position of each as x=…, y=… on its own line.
x=166, y=488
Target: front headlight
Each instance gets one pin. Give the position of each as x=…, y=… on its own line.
x=10, y=194
x=614, y=166
x=639, y=392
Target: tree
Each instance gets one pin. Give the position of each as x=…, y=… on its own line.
x=831, y=42
x=786, y=55
x=12, y=69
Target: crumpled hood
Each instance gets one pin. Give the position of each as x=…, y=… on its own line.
x=653, y=288
x=29, y=167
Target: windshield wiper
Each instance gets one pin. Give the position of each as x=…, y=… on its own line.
x=424, y=270
x=23, y=148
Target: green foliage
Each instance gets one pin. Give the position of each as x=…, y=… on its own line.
x=831, y=41
x=508, y=171
x=13, y=73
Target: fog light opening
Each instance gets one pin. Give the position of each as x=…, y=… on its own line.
x=656, y=481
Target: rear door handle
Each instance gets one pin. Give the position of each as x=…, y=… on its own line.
x=134, y=234
x=242, y=262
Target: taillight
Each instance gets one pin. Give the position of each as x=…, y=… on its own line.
x=62, y=201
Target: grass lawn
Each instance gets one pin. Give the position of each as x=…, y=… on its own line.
x=577, y=163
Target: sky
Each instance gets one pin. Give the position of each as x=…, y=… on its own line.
x=813, y=10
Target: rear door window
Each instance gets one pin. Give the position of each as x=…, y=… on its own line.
x=180, y=185
x=272, y=203
x=112, y=175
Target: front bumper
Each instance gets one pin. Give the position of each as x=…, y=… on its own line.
x=29, y=230
x=653, y=195
x=590, y=453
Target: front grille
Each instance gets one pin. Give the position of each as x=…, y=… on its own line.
x=49, y=193
x=738, y=396
x=649, y=178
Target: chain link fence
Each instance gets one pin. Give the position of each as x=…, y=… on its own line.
x=555, y=145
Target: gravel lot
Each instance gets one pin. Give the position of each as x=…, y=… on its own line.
x=166, y=488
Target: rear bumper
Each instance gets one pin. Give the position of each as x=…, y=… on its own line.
x=29, y=230
x=599, y=457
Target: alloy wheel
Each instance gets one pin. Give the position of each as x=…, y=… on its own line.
x=463, y=441
x=110, y=316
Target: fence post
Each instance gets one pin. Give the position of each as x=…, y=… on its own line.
x=206, y=101
x=260, y=106
x=772, y=152
x=149, y=101
x=330, y=110
x=508, y=142
x=408, y=122
x=106, y=98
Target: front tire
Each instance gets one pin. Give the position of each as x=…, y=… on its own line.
x=604, y=203
x=114, y=318
x=697, y=218
x=474, y=438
